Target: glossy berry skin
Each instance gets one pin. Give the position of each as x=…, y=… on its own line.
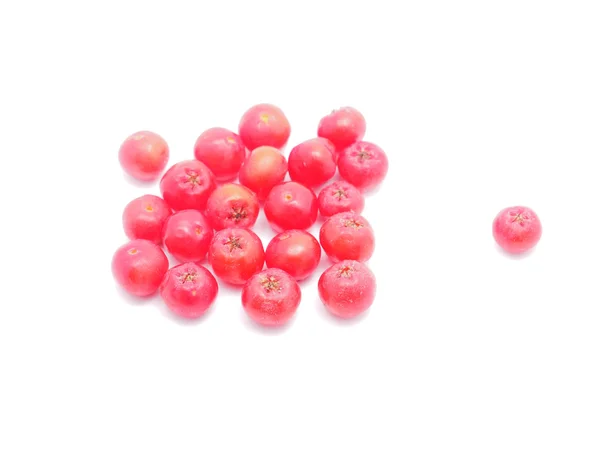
x=222, y=151
x=296, y=252
x=517, y=229
x=139, y=267
x=347, y=236
x=189, y=290
x=187, y=235
x=232, y=206
x=144, y=218
x=271, y=297
x=343, y=127
x=187, y=185
x=144, y=155
x=363, y=164
x=347, y=288
x=312, y=162
x=264, y=124
x=340, y=196
x=291, y=206
x=236, y=254
x=264, y=168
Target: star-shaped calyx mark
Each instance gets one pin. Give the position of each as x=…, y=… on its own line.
x=345, y=271
x=340, y=194
x=519, y=217
x=237, y=213
x=363, y=154
x=270, y=283
x=352, y=223
x=187, y=276
x=233, y=243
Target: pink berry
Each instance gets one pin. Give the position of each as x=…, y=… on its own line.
x=291, y=206
x=347, y=236
x=363, y=164
x=264, y=124
x=236, y=254
x=187, y=185
x=312, y=162
x=296, y=252
x=340, y=196
x=222, y=151
x=264, y=168
x=232, y=206
x=144, y=218
x=343, y=127
x=187, y=235
x=189, y=290
x=144, y=155
x=271, y=297
x=517, y=229
x=139, y=267
x=347, y=289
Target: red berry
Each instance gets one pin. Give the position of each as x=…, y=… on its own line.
x=291, y=206
x=144, y=218
x=347, y=236
x=312, y=162
x=271, y=297
x=347, y=288
x=264, y=124
x=340, y=196
x=187, y=185
x=363, y=164
x=517, y=229
x=343, y=127
x=189, y=290
x=264, y=168
x=144, y=155
x=232, y=206
x=187, y=235
x=236, y=254
x=222, y=151
x=296, y=252
x=139, y=267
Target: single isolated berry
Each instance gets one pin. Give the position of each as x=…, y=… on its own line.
x=187, y=185
x=312, y=162
x=232, y=206
x=363, y=164
x=139, y=267
x=264, y=168
x=222, y=151
x=271, y=297
x=517, y=229
x=340, y=196
x=144, y=155
x=343, y=127
x=347, y=236
x=189, y=290
x=264, y=124
x=296, y=252
x=187, y=235
x=347, y=288
x=144, y=218
x=291, y=206
x=236, y=254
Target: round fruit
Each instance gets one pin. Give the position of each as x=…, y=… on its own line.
x=291, y=206
x=144, y=155
x=347, y=236
x=222, y=151
x=232, y=206
x=363, y=164
x=139, y=267
x=236, y=254
x=264, y=168
x=296, y=252
x=347, y=288
x=271, y=297
x=189, y=290
x=343, y=127
x=340, y=196
x=264, y=124
x=312, y=162
x=517, y=229
x=187, y=185
x=187, y=235
x=144, y=218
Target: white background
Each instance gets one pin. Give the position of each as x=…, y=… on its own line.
x=479, y=105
